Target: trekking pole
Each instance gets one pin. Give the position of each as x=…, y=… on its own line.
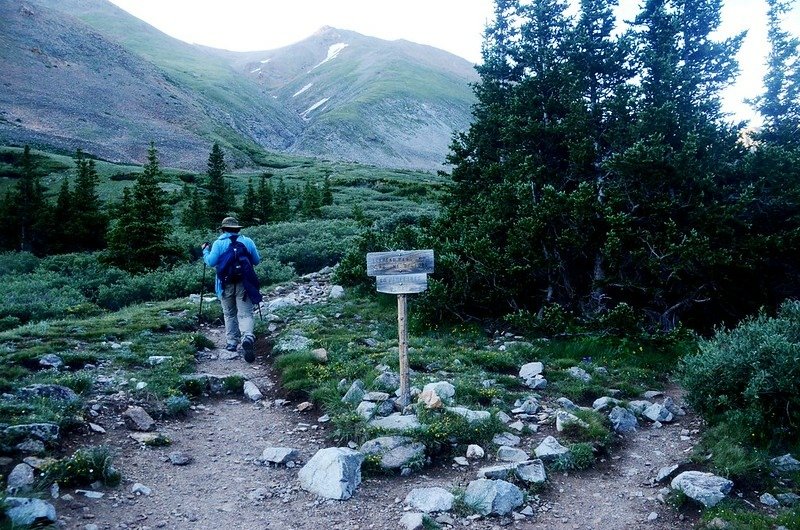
x=202, y=287
x=260, y=315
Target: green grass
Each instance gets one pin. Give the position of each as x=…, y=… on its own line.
x=739, y=516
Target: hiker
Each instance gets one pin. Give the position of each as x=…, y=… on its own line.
x=237, y=290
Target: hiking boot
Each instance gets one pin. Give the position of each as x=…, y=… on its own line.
x=248, y=344
x=231, y=346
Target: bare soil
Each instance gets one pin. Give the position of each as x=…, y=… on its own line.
x=226, y=486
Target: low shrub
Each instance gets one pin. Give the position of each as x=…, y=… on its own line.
x=86, y=466
x=750, y=373
x=177, y=405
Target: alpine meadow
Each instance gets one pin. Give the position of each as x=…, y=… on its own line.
x=608, y=335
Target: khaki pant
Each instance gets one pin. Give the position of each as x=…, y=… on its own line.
x=237, y=308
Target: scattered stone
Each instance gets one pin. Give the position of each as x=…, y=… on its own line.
x=388, y=380
x=788, y=499
x=768, y=500
x=333, y=473
x=502, y=416
x=320, y=354
x=638, y=406
x=396, y=422
x=96, y=428
x=430, y=399
x=324, y=419
x=530, y=370
x=292, y=343
x=652, y=517
x=412, y=521
x=278, y=455
x=531, y=471
x=563, y=418
x=461, y=461
x=53, y=392
x=375, y=396
x=529, y=406
x=145, y=438
x=51, y=360
x=475, y=452
x=670, y=405
x=366, y=409
x=665, y=473
x=90, y=494
x=604, y=402
x=472, y=416
x=141, y=489
x=507, y=439
x=337, y=291
x=622, y=420
x=20, y=480
x=566, y=404
x=31, y=447
x=517, y=426
x=652, y=394
x=179, y=458
x=396, y=452
x=141, y=385
x=501, y=471
x=39, y=463
x=252, y=391
x=29, y=512
x=705, y=488
x=511, y=454
x=785, y=464
x=550, y=449
x=658, y=412
x=355, y=394
x=154, y=360
x=537, y=383
x=498, y=497
x=430, y=499
x=579, y=373
x=304, y=406
x=137, y=419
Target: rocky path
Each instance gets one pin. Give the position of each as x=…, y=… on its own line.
x=211, y=476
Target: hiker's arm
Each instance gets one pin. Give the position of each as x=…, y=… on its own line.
x=212, y=253
x=253, y=253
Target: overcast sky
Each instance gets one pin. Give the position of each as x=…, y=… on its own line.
x=452, y=25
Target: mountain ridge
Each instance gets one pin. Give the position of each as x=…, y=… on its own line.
x=387, y=103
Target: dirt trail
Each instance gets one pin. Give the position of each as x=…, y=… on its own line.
x=225, y=485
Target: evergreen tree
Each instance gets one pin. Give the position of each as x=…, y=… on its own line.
x=29, y=206
x=327, y=192
x=193, y=216
x=88, y=224
x=311, y=205
x=249, y=212
x=61, y=237
x=282, y=208
x=264, y=210
x=138, y=241
x=219, y=200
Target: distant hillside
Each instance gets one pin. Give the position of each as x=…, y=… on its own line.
x=85, y=73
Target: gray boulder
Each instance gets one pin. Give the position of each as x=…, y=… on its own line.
x=472, y=416
x=507, y=439
x=566, y=404
x=531, y=471
x=137, y=419
x=638, y=406
x=412, y=521
x=46, y=432
x=366, y=409
x=333, y=473
x=785, y=464
x=430, y=499
x=497, y=497
x=530, y=370
x=579, y=373
x=564, y=418
x=355, y=393
x=602, y=403
x=511, y=454
x=622, y=420
x=28, y=512
x=396, y=422
x=706, y=488
x=501, y=471
x=51, y=360
x=550, y=449
x=389, y=381
x=20, y=480
x=278, y=455
x=395, y=452
x=658, y=412
x=445, y=390
x=54, y=392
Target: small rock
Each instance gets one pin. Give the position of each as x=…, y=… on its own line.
x=179, y=458
x=137, y=419
x=305, y=406
x=475, y=451
x=141, y=489
x=768, y=500
x=252, y=391
x=652, y=517
x=412, y=521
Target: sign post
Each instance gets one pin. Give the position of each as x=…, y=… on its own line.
x=401, y=272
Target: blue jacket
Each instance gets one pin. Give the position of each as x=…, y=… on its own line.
x=212, y=254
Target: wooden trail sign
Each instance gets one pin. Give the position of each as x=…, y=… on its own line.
x=401, y=272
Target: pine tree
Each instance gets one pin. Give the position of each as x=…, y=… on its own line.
x=88, y=224
x=249, y=211
x=327, y=192
x=220, y=199
x=265, y=209
x=193, y=216
x=61, y=237
x=282, y=207
x=29, y=205
x=311, y=201
x=138, y=241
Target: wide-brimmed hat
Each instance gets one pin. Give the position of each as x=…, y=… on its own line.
x=230, y=223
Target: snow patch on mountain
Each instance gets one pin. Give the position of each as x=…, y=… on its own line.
x=302, y=90
x=265, y=61
x=255, y=70
x=333, y=51
x=310, y=109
